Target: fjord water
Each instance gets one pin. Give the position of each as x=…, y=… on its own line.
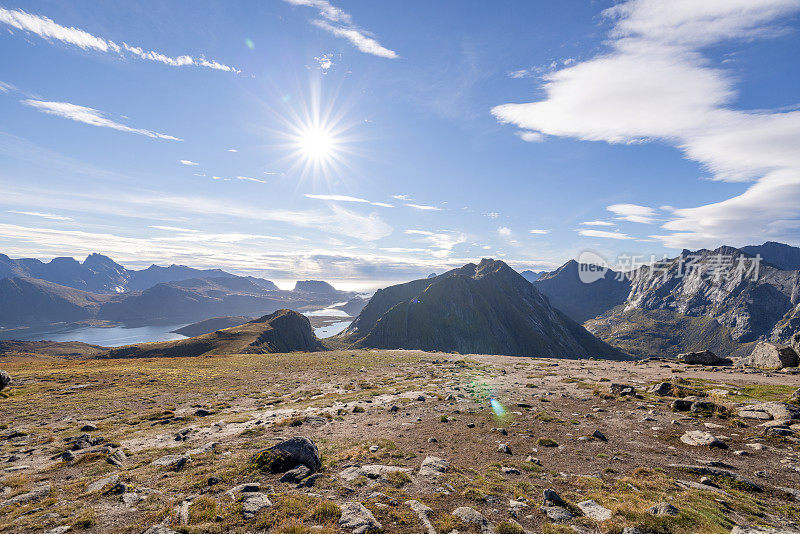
x=112, y=336
x=116, y=336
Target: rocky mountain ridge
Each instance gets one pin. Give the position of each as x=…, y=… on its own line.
x=483, y=308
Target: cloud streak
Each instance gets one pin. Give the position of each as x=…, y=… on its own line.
x=51, y=31
x=340, y=24
x=90, y=116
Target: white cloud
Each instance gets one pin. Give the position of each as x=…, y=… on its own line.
x=325, y=61
x=172, y=229
x=326, y=10
x=90, y=116
x=357, y=38
x=633, y=213
x=530, y=137
x=340, y=24
x=49, y=216
x=598, y=223
x=423, y=207
x=603, y=234
x=539, y=231
x=249, y=179
x=339, y=198
x=347, y=198
x=401, y=197
x=442, y=242
x=504, y=231
x=655, y=84
x=232, y=150
x=49, y=30
x=6, y=87
x=187, y=162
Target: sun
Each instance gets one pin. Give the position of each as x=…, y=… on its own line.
x=319, y=137
x=317, y=143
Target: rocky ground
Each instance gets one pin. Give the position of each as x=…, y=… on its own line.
x=406, y=441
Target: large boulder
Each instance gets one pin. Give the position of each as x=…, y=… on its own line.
x=5, y=379
x=770, y=356
x=289, y=454
x=767, y=411
x=704, y=357
x=796, y=342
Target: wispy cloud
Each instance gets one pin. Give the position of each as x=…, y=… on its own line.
x=90, y=116
x=504, y=231
x=50, y=216
x=6, y=87
x=187, y=162
x=424, y=207
x=598, y=223
x=442, y=242
x=347, y=198
x=49, y=30
x=539, y=231
x=340, y=24
x=249, y=179
x=655, y=83
x=172, y=229
x=603, y=234
x=633, y=213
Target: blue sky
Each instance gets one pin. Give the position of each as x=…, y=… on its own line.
x=367, y=143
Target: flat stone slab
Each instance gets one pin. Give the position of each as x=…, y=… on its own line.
x=595, y=511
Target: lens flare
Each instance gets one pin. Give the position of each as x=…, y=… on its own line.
x=497, y=408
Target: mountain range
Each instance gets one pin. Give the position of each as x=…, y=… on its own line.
x=37, y=294
x=688, y=302
x=486, y=308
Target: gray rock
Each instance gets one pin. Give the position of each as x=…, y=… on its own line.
x=778, y=411
x=5, y=379
x=252, y=503
x=356, y=518
x=504, y=448
x=796, y=342
x=422, y=512
x=762, y=530
x=557, y=514
x=471, y=516
x=663, y=508
x=705, y=357
x=59, y=530
x=622, y=390
x=721, y=473
x=664, y=389
x=433, y=466
x=594, y=511
x=681, y=405
x=699, y=438
x=510, y=471
x=117, y=458
x=291, y=453
x=40, y=491
x=294, y=476
x=770, y=356
x=98, y=485
x=551, y=498
x=599, y=435
x=159, y=529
